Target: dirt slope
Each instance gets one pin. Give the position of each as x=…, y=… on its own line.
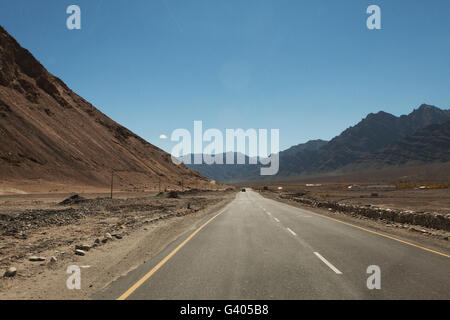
x=51, y=137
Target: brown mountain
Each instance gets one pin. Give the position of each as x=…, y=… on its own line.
x=51, y=137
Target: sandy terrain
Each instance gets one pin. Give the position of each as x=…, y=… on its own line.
x=39, y=225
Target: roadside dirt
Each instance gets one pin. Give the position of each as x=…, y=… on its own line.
x=433, y=238
x=139, y=227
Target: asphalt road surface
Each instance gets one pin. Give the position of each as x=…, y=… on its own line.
x=257, y=248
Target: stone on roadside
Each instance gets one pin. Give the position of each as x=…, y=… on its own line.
x=117, y=236
x=11, y=272
x=36, y=259
x=79, y=252
x=108, y=236
x=83, y=247
x=53, y=259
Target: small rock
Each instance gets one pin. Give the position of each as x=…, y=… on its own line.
x=108, y=236
x=105, y=240
x=80, y=252
x=36, y=259
x=445, y=238
x=53, y=259
x=83, y=247
x=117, y=236
x=97, y=241
x=11, y=272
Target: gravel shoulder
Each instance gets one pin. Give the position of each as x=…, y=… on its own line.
x=136, y=230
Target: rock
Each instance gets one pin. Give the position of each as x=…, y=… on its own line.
x=11, y=272
x=97, y=241
x=83, y=247
x=53, y=259
x=445, y=238
x=72, y=200
x=36, y=259
x=117, y=236
x=108, y=236
x=80, y=252
x=105, y=240
x=172, y=195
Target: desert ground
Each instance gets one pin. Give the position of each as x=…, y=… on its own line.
x=114, y=236
x=417, y=210
x=432, y=197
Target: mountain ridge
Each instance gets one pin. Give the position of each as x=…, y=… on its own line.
x=52, y=135
x=360, y=145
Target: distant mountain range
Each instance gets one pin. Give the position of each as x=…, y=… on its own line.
x=379, y=141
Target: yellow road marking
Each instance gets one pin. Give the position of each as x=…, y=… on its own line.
x=167, y=258
x=379, y=234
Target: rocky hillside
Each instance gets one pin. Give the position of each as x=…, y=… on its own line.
x=50, y=135
x=364, y=141
x=430, y=144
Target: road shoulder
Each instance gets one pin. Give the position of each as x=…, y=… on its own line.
x=421, y=238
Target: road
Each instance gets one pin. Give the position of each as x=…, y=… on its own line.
x=257, y=248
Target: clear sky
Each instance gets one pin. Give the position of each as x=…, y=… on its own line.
x=308, y=68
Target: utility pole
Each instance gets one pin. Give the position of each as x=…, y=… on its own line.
x=112, y=183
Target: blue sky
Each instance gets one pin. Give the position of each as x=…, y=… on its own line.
x=309, y=68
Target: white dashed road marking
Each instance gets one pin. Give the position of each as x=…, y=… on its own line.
x=336, y=270
x=292, y=232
